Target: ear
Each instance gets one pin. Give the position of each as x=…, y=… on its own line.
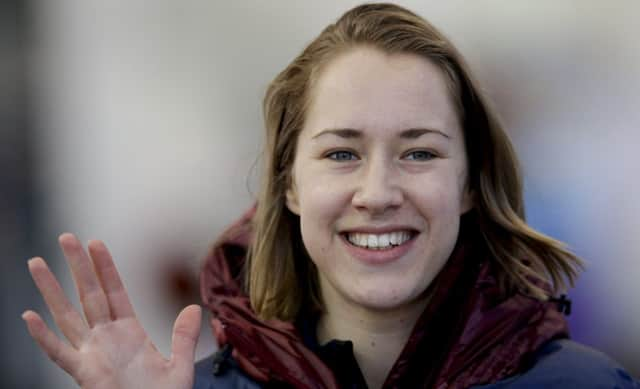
x=292, y=199
x=467, y=201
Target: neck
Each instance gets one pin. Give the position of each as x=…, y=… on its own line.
x=378, y=336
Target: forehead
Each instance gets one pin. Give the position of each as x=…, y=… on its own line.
x=368, y=89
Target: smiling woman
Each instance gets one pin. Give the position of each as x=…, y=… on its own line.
x=388, y=247
x=380, y=189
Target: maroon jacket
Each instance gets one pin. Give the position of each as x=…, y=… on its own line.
x=481, y=336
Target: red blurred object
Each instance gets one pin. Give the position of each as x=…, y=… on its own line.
x=180, y=281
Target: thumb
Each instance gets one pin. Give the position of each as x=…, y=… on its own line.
x=186, y=330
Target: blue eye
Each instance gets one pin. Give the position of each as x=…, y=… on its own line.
x=342, y=155
x=420, y=155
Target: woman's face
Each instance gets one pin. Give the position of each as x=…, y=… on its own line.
x=379, y=178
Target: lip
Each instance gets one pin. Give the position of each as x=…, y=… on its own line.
x=378, y=257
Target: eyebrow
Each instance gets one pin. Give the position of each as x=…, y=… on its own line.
x=352, y=133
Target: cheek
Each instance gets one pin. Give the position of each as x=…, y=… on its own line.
x=321, y=197
x=321, y=206
x=437, y=197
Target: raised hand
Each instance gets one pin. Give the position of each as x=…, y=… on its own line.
x=110, y=350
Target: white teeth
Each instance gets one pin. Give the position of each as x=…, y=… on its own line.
x=373, y=241
x=381, y=241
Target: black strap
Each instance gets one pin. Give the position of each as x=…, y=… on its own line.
x=221, y=359
x=564, y=304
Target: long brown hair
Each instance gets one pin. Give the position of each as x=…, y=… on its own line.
x=280, y=275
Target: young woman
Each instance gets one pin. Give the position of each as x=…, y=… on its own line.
x=388, y=247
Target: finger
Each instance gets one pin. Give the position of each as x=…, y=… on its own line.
x=66, y=317
x=117, y=297
x=59, y=352
x=94, y=301
x=185, y=336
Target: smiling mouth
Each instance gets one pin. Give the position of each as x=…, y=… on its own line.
x=379, y=241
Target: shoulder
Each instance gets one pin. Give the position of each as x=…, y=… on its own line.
x=228, y=376
x=567, y=364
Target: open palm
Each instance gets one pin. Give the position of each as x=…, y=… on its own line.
x=110, y=350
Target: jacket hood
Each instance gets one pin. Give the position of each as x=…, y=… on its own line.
x=481, y=336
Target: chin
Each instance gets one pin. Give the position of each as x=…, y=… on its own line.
x=392, y=298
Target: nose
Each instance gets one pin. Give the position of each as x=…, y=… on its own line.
x=378, y=189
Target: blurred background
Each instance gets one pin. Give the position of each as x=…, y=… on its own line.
x=139, y=122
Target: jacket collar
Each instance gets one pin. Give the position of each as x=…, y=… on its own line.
x=469, y=333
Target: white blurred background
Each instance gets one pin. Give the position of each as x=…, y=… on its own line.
x=143, y=121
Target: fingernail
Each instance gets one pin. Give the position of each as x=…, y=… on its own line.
x=66, y=236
